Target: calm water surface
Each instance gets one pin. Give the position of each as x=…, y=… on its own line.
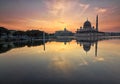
x=61, y=63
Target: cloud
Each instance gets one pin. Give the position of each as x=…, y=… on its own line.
x=99, y=59
x=84, y=6
x=56, y=8
x=61, y=8
x=100, y=10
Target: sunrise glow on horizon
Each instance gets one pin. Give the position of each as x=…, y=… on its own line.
x=53, y=15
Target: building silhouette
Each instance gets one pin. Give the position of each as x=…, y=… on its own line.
x=88, y=29
x=64, y=32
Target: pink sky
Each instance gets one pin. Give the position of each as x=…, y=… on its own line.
x=53, y=15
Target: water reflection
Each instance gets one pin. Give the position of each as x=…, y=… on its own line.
x=85, y=42
x=87, y=45
x=6, y=46
x=60, y=61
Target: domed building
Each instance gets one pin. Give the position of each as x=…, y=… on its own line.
x=88, y=29
x=87, y=24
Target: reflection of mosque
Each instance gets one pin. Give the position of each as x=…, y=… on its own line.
x=87, y=45
x=85, y=42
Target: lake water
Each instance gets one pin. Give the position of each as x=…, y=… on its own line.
x=60, y=62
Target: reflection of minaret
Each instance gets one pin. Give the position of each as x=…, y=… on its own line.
x=44, y=40
x=97, y=23
x=96, y=44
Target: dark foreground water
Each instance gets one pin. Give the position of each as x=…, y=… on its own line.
x=59, y=62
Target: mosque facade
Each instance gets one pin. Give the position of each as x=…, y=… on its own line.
x=88, y=29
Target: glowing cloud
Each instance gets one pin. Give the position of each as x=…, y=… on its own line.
x=84, y=6
x=55, y=8
x=100, y=10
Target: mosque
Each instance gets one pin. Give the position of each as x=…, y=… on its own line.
x=88, y=30
x=87, y=35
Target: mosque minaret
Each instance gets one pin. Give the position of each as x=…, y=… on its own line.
x=97, y=23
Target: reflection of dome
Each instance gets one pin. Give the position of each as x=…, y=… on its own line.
x=87, y=24
x=86, y=47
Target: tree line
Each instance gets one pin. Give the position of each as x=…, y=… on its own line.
x=5, y=33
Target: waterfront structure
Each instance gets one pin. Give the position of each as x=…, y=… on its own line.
x=88, y=30
x=64, y=32
x=10, y=35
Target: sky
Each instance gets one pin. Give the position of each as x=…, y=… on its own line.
x=54, y=15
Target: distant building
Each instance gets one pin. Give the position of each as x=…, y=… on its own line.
x=64, y=32
x=88, y=30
